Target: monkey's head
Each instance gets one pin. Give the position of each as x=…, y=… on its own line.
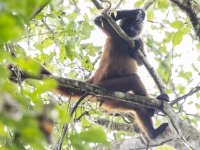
x=133, y=26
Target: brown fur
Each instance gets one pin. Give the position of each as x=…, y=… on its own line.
x=115, y=61
x=118, y=71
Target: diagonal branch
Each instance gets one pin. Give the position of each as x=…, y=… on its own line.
x=193, y=91
x=39, y=9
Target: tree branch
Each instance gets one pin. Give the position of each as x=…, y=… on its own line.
x=187, y=7
x=193, y=91
x=137, y=143
x=77, y=86
x=39, y=9
x=116, y=126
x=148, y=4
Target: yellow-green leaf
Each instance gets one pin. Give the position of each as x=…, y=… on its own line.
x=177, y=24
x=177, y=38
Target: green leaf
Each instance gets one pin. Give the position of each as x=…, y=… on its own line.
x=150, y=15
x=69, y=49
x=180, y=88
x=3, y=72
x=2, y=130
x=198, y=45
x=163, y=4
x=177, y=24
x=64, y=116
x=197, y=106
x=86, y=29
x=45, y=85
x=62, y=53
x=186, y=75
x=72, y=16
x=46, y=43
x=190, y=102
x=11, y=27
x=165, y=147
x=139, y=3
x=186, y=30
x=86, y=63
x=177, y=38
x=47, y=58
x=29, y=66
x=91, y=135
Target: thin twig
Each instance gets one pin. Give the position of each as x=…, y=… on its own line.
x=65, y=127
x=93, y=64
x=148, y=4
x=78, y=102
x=83, y=114
x=193, y=91
x=118, y=4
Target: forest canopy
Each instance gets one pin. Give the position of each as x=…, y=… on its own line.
x=61, y=36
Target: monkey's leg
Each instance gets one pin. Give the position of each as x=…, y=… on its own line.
x=145, y=123
x=127, y=83
x=124, y=84
x=143, y=115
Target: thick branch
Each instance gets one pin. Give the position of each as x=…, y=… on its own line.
x=183, y=129
x=77, y=86
x=138, y=144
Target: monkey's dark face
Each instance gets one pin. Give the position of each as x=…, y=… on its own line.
x=133, y=26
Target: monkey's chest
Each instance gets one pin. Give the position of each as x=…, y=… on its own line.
x=121, y=66
x=115, y=62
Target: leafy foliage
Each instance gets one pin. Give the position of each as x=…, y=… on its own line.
x=58, y=35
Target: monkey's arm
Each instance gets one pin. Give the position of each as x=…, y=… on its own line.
x=101, y=22
x=136, y=14
x=139, y=45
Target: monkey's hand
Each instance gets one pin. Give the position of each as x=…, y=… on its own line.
x=163, y=97
x=133, y=52
x=138, y=44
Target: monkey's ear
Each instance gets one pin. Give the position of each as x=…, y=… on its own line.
x=164, y=97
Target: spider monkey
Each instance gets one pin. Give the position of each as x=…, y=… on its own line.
x=117, y=70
